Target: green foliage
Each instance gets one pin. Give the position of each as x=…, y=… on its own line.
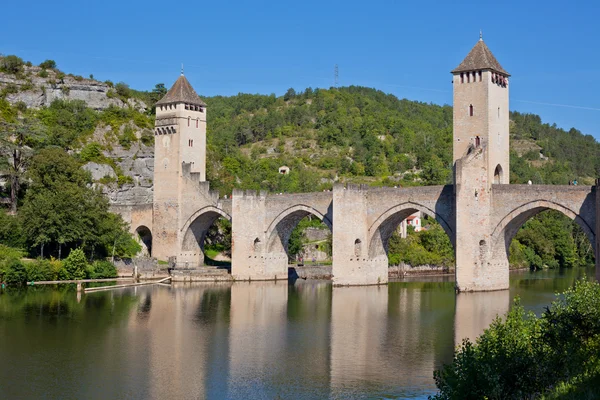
x=67, y=122
x=11, y=64
x=525, y=356
x=7, y=253
x=101, y=270
x=218, y=237
x=40, y=270
x=48, y=64
x=92, y=152
x=61, y=210
x=76, y=264
x=430, y=246
x=11, y=232
x=127, y=137
x=551, y=240
x=15, y=273
x=123, y=90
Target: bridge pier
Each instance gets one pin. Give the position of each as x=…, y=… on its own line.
x=250, y=258
x=351, y=262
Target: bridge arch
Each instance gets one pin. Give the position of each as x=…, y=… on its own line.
x=384, y=226
x=194, y=232
x=505, y=231
x=144, y=236
x=279, y=230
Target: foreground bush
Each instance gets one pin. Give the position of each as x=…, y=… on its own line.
x=15, y=273
x=555, y=356
x=101, y=269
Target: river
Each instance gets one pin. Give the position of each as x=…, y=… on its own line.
x=265, y=340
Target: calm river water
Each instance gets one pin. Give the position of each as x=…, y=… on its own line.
x=247, y=340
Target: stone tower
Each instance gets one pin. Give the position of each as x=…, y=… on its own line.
x=481, y=159
x=180, y=141
x=481, y=112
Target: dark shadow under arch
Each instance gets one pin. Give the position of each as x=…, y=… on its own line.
x=498, y=175
x=145, y=237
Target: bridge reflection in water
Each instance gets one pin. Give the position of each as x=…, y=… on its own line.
x=247, y=340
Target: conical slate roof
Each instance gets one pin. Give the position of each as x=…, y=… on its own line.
x=480, y=57
x=182, y=92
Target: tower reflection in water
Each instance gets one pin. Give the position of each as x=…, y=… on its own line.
x=269, y=340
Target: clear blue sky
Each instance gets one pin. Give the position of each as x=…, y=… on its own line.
x=406, y=48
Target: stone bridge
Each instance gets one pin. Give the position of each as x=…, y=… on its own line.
x=362, y=220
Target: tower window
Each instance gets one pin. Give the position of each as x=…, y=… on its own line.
x=474, y=76
x=191, y=142
x=468, y=77
x=471, y=110
x=189, y=121
x=479, y=76
x=187, y=107
x=462, y=78
x=498, y=112
x=196, y=122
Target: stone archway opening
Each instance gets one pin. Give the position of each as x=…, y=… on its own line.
x=498, y=175
x=412, y=237
x=302, y=237
x=144, y=237
x=544, y=236
x=207, y=241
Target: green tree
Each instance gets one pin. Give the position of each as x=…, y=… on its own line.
x=75, y=264
x=434, y=172
x=17, y=141
x=11, y=64
x=48, y=64
x=60, y=209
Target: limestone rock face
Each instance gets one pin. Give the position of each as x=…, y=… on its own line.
x=36, y=91
x=138, y=164
x=99, y=171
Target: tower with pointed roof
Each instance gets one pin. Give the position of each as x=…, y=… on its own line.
x=481, y=115
x=481, y=159
x=179, y=154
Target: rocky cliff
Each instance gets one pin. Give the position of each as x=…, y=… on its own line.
x=37, y=87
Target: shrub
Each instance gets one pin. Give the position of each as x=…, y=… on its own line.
x=48, y=64
x=21, y=106
x=92, y=152
x=127, y=137
x=11, y=64
x=525, y=356
x=124, y=179
x=8, y=253
x=16, y=274
x=75, y=264
x=102, y=269
x=40, y=270
x=43, y=74
x=123, y=90
x=11, y=88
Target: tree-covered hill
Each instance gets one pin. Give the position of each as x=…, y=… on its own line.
x=362, y=134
